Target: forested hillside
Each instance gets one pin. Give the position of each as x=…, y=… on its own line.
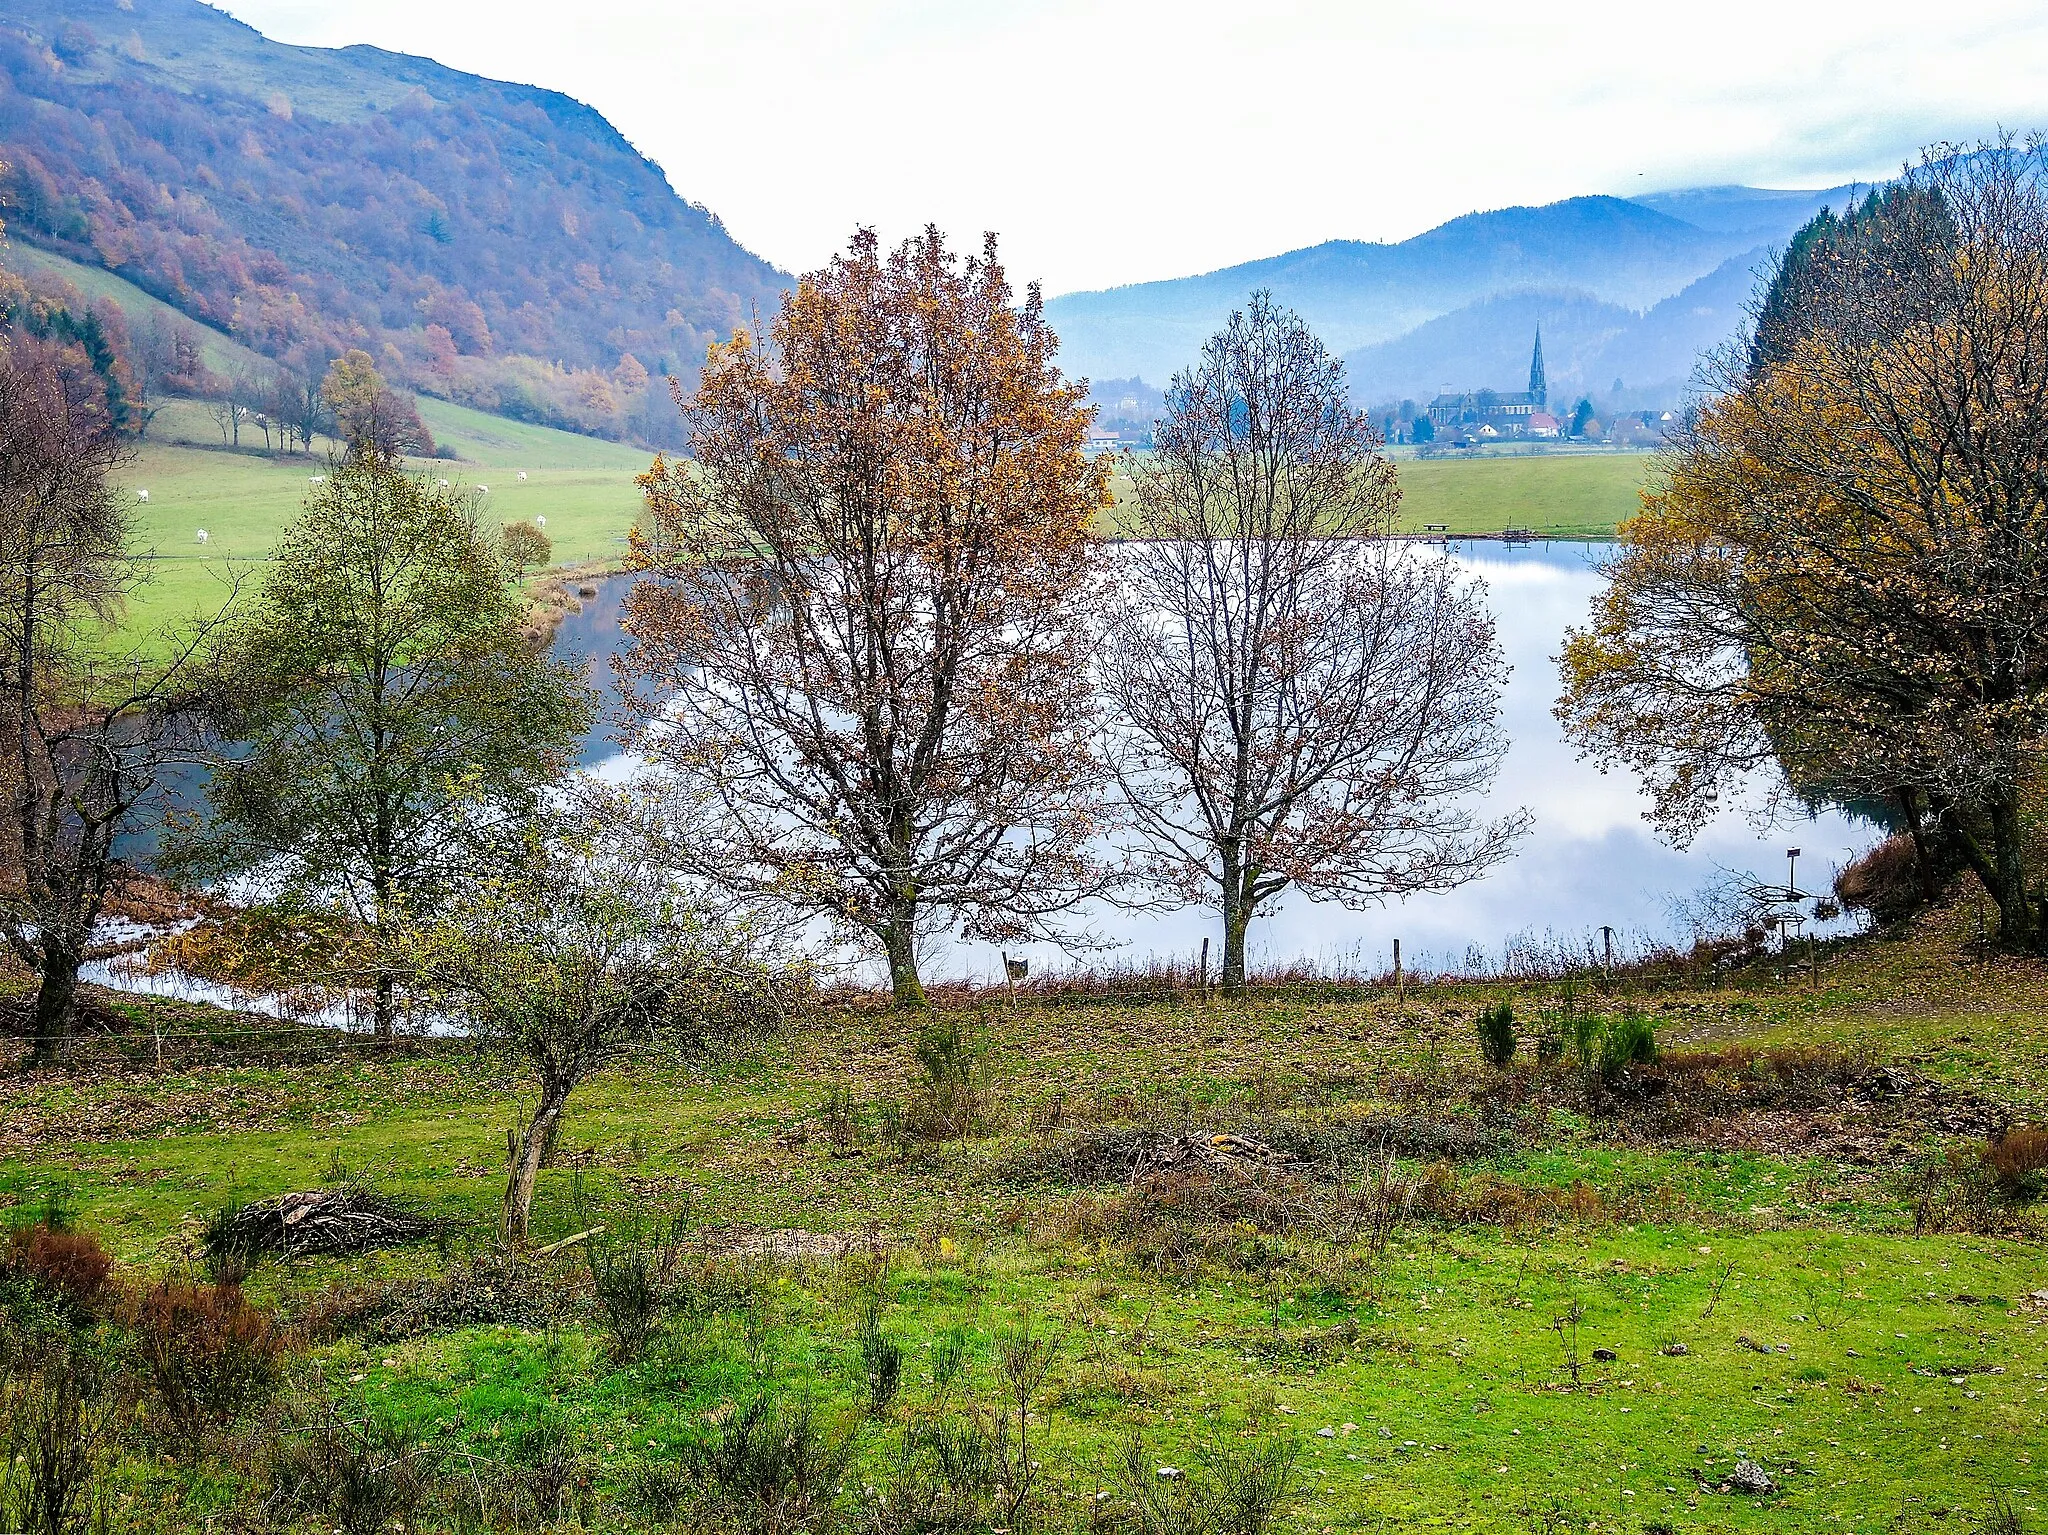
x=495, y=244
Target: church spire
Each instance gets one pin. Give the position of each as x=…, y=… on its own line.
x=1538, y=389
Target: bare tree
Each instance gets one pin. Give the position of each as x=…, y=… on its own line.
x=90, y=728
x=296, y=403
x=864, y=657
x=1841, y=575
x=1303, y=702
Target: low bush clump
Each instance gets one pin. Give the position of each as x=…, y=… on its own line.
x=69, y=1265
x=55, y=1424
x=767, y=1468
x=353, y=1471
x=492, y=1286
x=208, y=1355
x=1496, y=1030
x=949, y=1101
x=1237, y=1489
x=632, y=1264
x=1625, y=1040
x=2018, y=1159
x=1953, y=1191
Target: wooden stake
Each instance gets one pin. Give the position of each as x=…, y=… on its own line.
x=555, y=1247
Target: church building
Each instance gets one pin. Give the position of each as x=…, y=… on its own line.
x=1491, y=413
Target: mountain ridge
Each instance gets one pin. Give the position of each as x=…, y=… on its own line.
x=1629, y=252
x=499, y=244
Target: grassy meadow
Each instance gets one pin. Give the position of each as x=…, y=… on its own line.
x=1560, y=495
x=582, y=486
x=1475, y=1298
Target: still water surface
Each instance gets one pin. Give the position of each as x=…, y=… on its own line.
x=1589, y=858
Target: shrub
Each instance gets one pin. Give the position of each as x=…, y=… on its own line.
x=1240, y=1488
x=71, y=1264
x=50, y=1455
x=768, y=1468
x=356, y=1473
x=881, y=1357
x=1496, y=1028
x=1627, y=1040
x=949, y=1103
x=632, y=1273
x=1952, y=1192
x=2001, y=1518
x=209, y=1355
x=948, y=1477
x=1887, y=881
x=2017, y=1159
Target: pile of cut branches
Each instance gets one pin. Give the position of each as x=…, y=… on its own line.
x=351, y=1218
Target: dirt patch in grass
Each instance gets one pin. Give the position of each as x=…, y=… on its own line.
x=1866, y=1117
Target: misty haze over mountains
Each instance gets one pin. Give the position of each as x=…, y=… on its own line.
x=503, y=246
x=1624, y=289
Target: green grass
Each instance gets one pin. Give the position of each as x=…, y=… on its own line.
x=243, y=500
x=1571, y=495
x=1887, y=1380
x=494, y=442
x=1561, y=495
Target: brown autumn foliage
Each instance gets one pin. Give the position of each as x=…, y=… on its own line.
x=862, y=647
x=2017, y=1156
x=209, y=1354
x=1835, y=571
x=70, y=1262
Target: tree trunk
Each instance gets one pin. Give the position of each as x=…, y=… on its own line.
x=1237, y=919
x=533, y=1145
x=900, y=943
x=1923, y=850
x=2017, y=927
x=56, y=999
x=387, y=1008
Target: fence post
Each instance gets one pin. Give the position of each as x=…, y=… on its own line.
x=1397, y=967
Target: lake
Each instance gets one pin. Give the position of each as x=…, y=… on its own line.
x=1589, y=858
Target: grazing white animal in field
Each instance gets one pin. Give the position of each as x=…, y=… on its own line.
x=202, y=535
x=522, y=476
x=142, y=496
x=483, y=490
x=540, y=522
x=444, y=484
x=315, y=479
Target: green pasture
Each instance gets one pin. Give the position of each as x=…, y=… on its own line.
x=1559, y=495
x=1767, y=1298
x=1565, y=495
x=242, y=500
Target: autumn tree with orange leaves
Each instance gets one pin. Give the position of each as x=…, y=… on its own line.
x=1843, y=572
x=860, y=642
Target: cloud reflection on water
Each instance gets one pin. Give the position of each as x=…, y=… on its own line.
x=1589, y=857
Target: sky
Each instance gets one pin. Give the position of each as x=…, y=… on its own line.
x=1113, y=143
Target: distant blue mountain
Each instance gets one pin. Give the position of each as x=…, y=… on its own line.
x=1612, y=253
x=1764, y=214
x=1587, y=344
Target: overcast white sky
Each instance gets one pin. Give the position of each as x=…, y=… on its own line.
x=1112, y=143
